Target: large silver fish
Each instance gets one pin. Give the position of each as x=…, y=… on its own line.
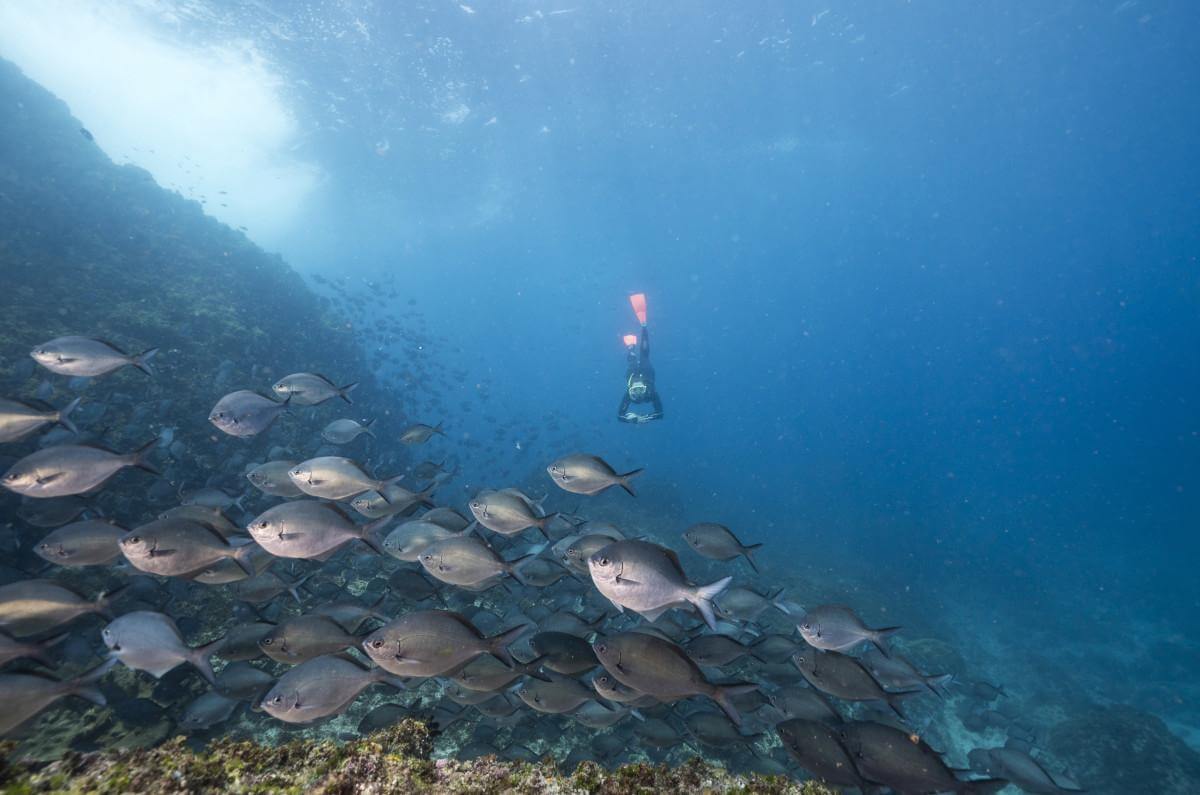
x=87, y=357
x=321, y=687
x=310, y=529
x=435, y=643
x=72, y=469
x=25, y=695
x=150, y=642
x=333, y=477
x=648, y=579
x=580, y=473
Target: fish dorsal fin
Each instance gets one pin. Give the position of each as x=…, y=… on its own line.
x=466, y=622
x=110, y=344
x=674, y=558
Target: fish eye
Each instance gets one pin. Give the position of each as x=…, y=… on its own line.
x=277, y=700
x=604, y=561
x=377, y=644
x=806, y=626
x=267, y=641
x=135, y=539
x=601, y=648
x=264, y=524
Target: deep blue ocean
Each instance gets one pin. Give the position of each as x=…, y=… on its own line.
x=922, y=277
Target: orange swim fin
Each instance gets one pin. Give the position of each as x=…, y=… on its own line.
x=630, y=340
x=638, y=301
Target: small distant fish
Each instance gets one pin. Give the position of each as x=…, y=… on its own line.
x=335, y=478
x=420, y=433
x=310, y=389
x=346, y=431
x=31, y=607
x=92, y=542
x=207, y=711
x=838, y=628
x=86, y=133
x=717, y=542
x=588, y=474
x=84, y=356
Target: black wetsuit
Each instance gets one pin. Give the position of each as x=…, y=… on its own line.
x=638, y=369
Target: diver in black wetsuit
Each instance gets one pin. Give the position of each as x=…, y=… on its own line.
x=639, y=374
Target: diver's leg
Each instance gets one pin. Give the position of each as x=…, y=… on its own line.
x=657, y=401
x=624, y=409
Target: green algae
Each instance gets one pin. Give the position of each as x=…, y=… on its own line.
x=393, y=760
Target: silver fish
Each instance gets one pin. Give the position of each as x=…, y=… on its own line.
x=659, y=668
x=309, y=529
x=434, y=643
x=467, y=561
x=345, y=431
x=30, y=607
x=321, y=687
x=410, y=538
x=309, y=389
x=18, y=420
x=207, y=711
x=717, y=542
x=838, y=628
x=84, y=356
x=72, y=469
x=335, y=478
x=272, y=478
x=179, y=547
x=244, y=413
x=150, y=642
x=25, y=695
x=419, y=433
x=92, y=542
x=588, y=474
x=648, y=579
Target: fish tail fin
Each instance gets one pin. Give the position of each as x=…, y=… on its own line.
x=425, y=495
x=142, y=360
x=892, y=698
x=105, y=599
x=84, y=685
x=534, y=668
x=746, y=554
x=140, y=457
x=628, y=476
x=344, y=392
x=199, y=658
x=498, y=645
x=703, y=596
x=367, y=428
x=939, y=685
x=438, y=428
x=722, y=694
x=879, y=638
x=243, y=556
x=39, y=652
x=294, y=588
x=375, y=608
x=367, y=532
x=514, y=566
x=64, y=415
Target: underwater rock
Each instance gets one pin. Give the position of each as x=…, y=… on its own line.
x=395, y=759
x=1122, y=750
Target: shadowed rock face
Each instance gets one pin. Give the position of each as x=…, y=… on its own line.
x=1123, y=750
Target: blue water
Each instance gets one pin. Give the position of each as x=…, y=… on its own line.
x=922, y=282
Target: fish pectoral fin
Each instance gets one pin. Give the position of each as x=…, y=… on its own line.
x=44, y=479
x=162, y=553
x=627, y=581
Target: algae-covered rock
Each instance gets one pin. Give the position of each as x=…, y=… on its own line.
x=1123, y=750
x=394, y=760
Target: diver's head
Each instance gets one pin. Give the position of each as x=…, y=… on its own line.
x=638, y=388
